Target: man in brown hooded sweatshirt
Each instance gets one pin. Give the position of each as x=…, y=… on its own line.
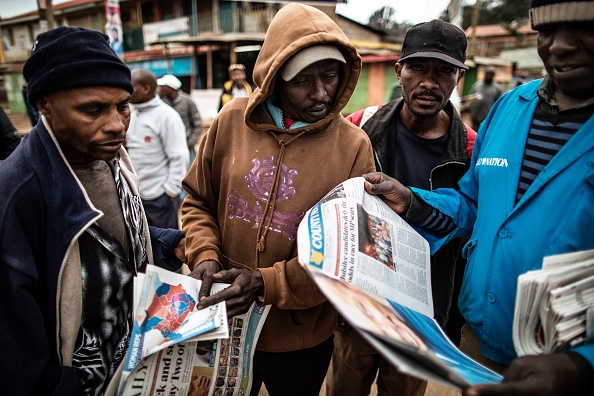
x=265, y=160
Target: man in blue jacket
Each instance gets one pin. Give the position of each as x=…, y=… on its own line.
x=72, y=230
x=527, y=195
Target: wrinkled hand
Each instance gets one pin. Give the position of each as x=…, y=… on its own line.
x=542, y=375
x=205, y=272
x=180, y=250
x=246, y=286
x=396, y=195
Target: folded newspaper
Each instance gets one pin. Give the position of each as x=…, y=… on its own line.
x=375, y=269
x=176, y=349
x=555, y=305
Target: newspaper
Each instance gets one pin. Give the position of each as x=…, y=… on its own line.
x=375, y=270
x=172, y=351
x=359, y=239
x=555, y=305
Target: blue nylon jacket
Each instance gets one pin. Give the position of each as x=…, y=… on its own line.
x=556, y=215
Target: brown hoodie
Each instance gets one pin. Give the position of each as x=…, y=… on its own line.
x=234, y=183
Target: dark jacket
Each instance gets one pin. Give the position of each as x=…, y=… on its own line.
x=9, y=138
x=380, y=124
x=44, y=212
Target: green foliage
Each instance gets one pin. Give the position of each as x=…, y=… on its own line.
x=384, y=20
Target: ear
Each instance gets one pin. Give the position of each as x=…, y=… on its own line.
x=43, y=105
x=398, y=68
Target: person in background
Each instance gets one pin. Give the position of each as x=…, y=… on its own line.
x=533, y=151
x=171, y=93
x=32, y=112
x=158, y=149
x=72, y=229
x=264, y=162
x=237, y=86
x=490, y=91
x=421, y=140
x=9, y=138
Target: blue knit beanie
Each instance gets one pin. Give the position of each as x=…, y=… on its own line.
x=71, y=57
x=545, y=12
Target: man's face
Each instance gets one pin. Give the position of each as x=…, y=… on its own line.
x=238, y=77
x=142, y=91
x=427, y=84
x=89, y=123
x=310, y=94
x=167, y=92
x=489, y=77
x=567, y=52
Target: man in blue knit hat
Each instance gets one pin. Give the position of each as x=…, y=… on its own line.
x=528, y=194
x=72, y=230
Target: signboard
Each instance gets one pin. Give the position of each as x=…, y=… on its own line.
x=113, y=27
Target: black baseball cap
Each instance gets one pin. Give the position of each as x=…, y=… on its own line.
x=436, y=39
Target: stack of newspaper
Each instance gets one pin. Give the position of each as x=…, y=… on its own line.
x=375, y=269
x=555, y=305
x=176, y=349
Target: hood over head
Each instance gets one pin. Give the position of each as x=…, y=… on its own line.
x=295, y=27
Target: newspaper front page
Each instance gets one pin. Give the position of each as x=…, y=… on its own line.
x=359, y=239
x=375, y=270
x=176, y=349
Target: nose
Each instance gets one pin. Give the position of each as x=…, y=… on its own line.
x=429, y=82
x=563, y=40
x=116, y=122
x=318, y=90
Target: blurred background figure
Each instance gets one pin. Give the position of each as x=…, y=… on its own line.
x=9, y=139
x=32, y=112
x=157, y=146
x=237, y=86
x=490, y=91
x=171, y=93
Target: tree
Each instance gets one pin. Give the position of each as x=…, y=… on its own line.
x=384, y=20
x=507, y=13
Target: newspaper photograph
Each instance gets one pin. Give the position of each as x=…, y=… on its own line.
x=411, y=341
x=176, y=349
x=358, y=238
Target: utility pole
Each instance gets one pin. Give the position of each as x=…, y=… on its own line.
x=456, y=15
x=46, y=15
x=475, y=17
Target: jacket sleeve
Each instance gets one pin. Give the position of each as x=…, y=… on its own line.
x=29, y=364
x=175, y=146
x=460, y=205
x=196, y=125
x=164, y=241
x=200, y=224
x=286, y=284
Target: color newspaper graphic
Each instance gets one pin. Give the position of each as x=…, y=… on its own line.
x=176, y=349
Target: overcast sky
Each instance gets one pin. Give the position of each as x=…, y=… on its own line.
x=414, y=11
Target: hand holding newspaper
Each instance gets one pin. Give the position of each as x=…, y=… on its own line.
x=375, y=269
x=177, y=349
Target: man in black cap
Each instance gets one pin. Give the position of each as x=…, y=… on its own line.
x=420, y=139
x=72, y=229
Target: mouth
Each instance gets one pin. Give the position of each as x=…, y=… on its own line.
x=426, y=100
x=563, y=69
x=112, y=146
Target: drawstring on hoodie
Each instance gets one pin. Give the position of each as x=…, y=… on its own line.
x=271, y=202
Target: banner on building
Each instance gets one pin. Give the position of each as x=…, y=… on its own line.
x=113, y=27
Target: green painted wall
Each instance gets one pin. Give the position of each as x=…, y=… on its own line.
x=391, y=79
x=358, y=100
x=13, y=83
